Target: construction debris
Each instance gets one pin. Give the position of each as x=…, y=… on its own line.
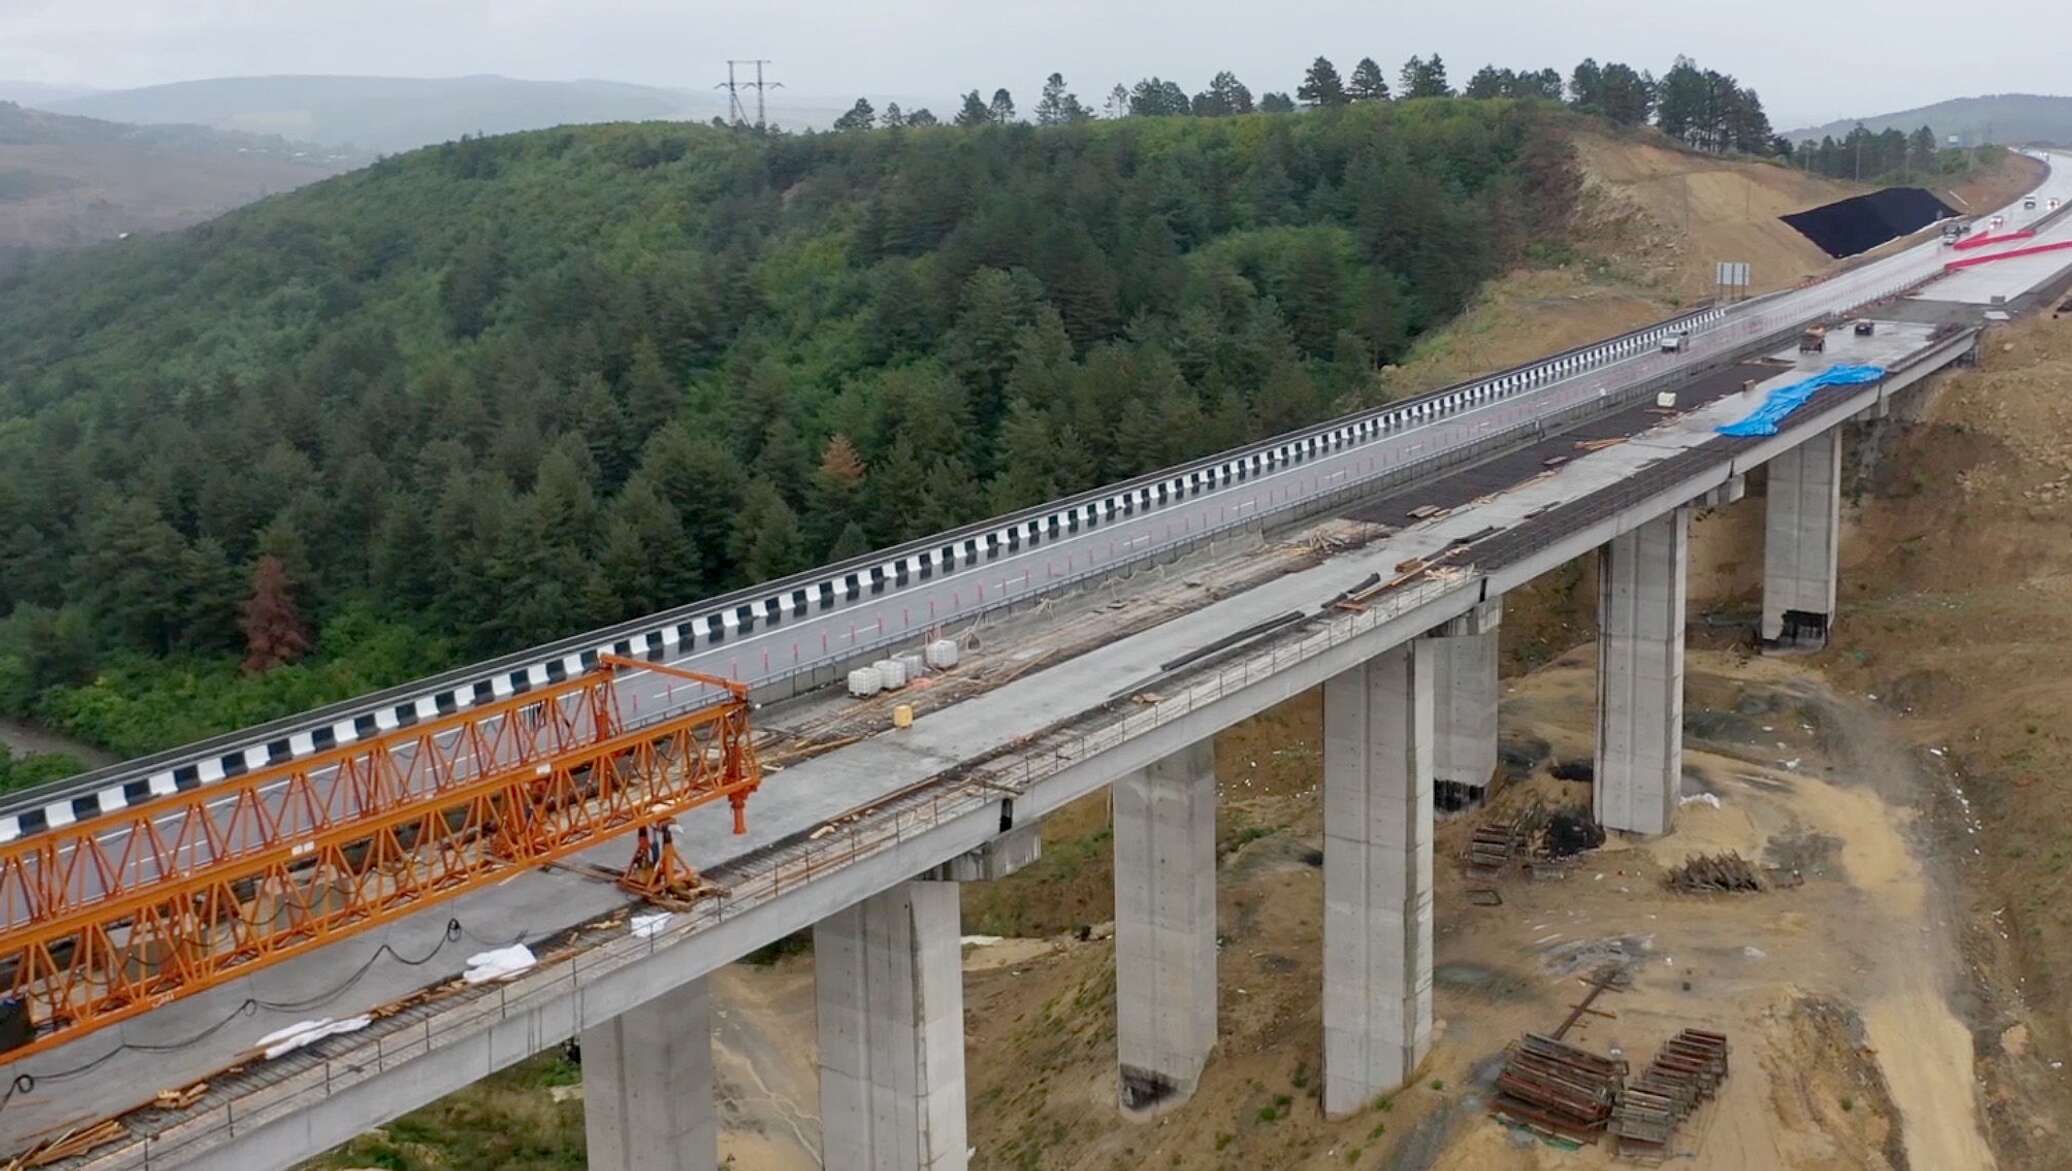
x=1599, y=444
x=1725, y=873
x=1605, y=978
x=70, y=1144
x=1686, y=1071
x=180, y=1099
x=1570, y=830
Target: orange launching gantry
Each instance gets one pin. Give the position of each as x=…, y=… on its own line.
x=104, y=919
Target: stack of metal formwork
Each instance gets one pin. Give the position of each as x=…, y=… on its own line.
x=1687, y=1070
x=1557, y=1089
x=1489, y=850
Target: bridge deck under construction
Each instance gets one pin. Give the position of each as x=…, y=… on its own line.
x=1030, y=674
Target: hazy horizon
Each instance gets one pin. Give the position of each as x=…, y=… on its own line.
x=929, y=47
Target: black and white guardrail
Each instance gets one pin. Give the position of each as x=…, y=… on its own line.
x=674, y=636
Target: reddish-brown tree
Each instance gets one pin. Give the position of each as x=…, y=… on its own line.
x=274, y=632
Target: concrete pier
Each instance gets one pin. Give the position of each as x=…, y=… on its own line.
x=1377, y=875
x=1165, y=928
x=647, y=1086
x=1801, y=542
x=1464, y=705
x=889, y=979
x=1640, y=667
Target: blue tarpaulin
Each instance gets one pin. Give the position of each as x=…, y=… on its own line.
x=1786, y=399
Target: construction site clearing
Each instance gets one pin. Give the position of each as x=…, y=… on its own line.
x=1808, y=1026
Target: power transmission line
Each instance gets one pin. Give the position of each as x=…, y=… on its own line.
x=736, y=114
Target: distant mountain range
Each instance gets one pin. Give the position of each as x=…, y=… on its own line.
x=2012, y=119
x=37, y=93
x=393, y=114
x=66, y=180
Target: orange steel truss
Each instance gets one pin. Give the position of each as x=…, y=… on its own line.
x=109, y=918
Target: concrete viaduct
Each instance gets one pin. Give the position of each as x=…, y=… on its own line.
x=1410, y=700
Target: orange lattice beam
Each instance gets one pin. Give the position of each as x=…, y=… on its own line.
x=111, y=918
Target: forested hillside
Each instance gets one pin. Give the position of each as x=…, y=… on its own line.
x=506, y=389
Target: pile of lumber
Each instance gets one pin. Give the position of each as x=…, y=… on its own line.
x=1716, y=872
x=1686, y=1071
x=69, y=1145
x=1557, y=1090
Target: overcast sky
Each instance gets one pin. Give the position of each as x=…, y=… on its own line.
x=1809, y=62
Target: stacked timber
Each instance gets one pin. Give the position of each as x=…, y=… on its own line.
x=1556, y=1089
x=1686, y=1071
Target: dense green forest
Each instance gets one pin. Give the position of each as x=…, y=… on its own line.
x=490, y=393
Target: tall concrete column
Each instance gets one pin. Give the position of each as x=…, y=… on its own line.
x=1464, y=698
x=1377, y=875
x=889, y=978
x=1640, y=667
x=1165, y=927
x=1802, y=541
x=647, y=1086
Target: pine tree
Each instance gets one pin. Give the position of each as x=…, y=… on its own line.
x=1057, y=106
x=975, y=112
x=1620, y=94
x=702, y=484
x=1489, y=82
x=1321, y=85
x=767, y=542
x=274, y=631
x=646, y=559
x=1118, y=103
x=1002, y=107
x=894, y=117
x=1155, y=97
x=850, y=542
x=652, y=398
x=132, y=561
x=1225, y=96
x=1030, y=476
x=1586, y=87
x=1921, y=152
x=1425, y=79
x=836, y=500
x=894, y=494
x=860, y=117
x=921, y=117
x=1367, y=84
x=1276, y=103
